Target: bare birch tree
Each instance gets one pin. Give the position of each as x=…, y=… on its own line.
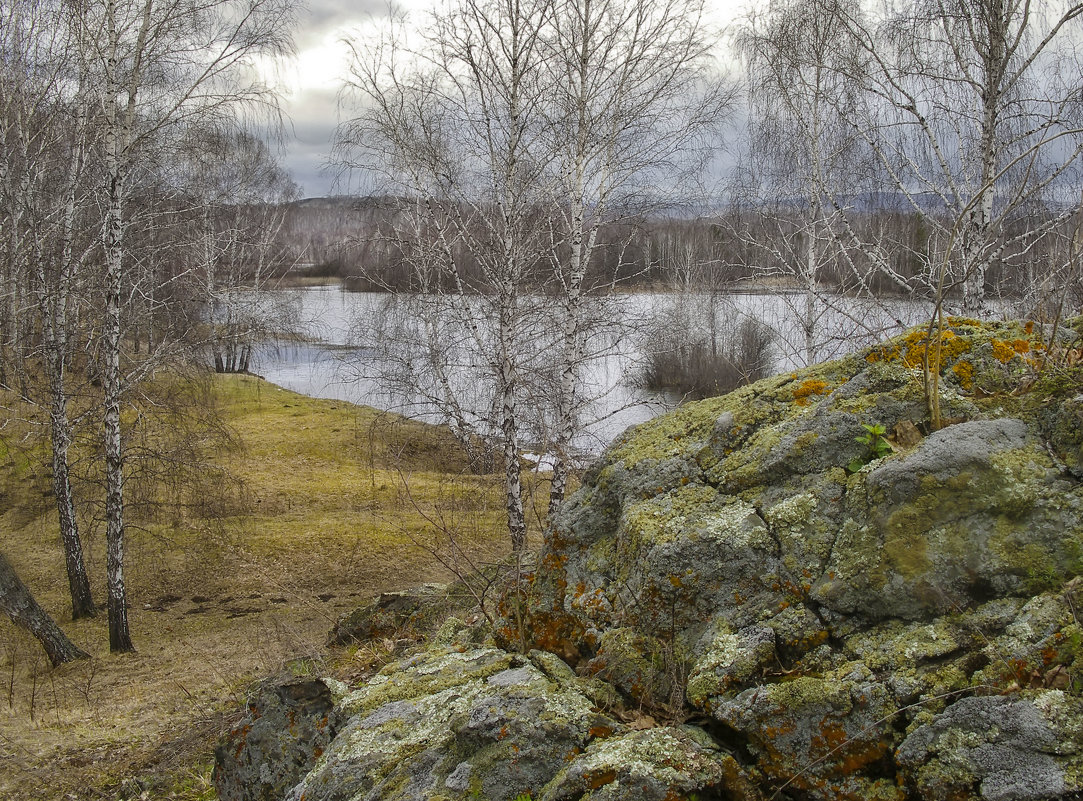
x=635, y=98
x=974, y=112
x=802, y=162
x=453, y=122
x=516, y=130
x=158, y=65
x=44, y=199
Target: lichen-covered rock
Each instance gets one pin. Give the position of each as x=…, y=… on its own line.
x=286, y=728
x=456, y=725
x=976, y=511
x=827, y=736
x=819, y=600
x=729, y=661
x=391, y=613
x=635, y=664
x=999, y=749
x=653, y=765
x=460, y=724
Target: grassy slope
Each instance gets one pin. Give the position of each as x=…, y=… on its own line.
x=308, y=519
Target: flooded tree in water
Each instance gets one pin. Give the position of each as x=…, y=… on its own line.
x=240, y=193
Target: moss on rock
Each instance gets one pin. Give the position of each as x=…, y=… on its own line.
x=841, y=626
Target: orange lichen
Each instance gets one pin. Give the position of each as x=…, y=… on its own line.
x=600, y=778
x=848, y=754
x=810, y=387
x=911, y=350
x=964, y=373
x=1002, y=351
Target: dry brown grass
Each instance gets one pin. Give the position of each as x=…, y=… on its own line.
x=305, y=517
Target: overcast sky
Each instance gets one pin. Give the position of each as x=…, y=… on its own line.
x=312, y=80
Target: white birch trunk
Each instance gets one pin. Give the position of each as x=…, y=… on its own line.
x=509, y=419
x=117, y=140
x=119, y=633
x=56, y=332
x=977, y=242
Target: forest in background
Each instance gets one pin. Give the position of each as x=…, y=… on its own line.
x=350, y=240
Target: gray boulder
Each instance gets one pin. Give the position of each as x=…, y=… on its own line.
x=286, y=728
x=481, y=723
x=998, y=748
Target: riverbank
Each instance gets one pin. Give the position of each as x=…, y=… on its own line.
x=325, y=505
x=309, y=278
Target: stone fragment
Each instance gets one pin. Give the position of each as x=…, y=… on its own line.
x=286, y=728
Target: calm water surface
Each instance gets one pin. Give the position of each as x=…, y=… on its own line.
x=333, y=363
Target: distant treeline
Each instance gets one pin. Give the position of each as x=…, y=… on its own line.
x=357, y=241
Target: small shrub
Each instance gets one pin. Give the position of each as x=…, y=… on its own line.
x=874, y=440
x=684, y=361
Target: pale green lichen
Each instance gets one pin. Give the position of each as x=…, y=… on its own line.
x=735, y=525
x=791, y=511
x=695, y=512
x=707, y=677
x=402, y=682
x=808, y=691
x=665, y=517
x=678, y=758
x=672, y=434
x=894, y=645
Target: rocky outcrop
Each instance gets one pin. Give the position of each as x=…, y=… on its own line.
x=394, y=613
x=757, y=597
x=285, y=729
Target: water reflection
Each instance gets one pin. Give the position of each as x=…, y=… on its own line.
x=330, y=363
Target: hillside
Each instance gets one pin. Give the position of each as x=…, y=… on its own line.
x=303, y=512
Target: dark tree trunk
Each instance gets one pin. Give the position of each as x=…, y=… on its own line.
x=82, y=603
x=24, y=611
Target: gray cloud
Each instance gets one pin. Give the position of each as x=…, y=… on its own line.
x=313, y=118
x=313, y=113
x=323, y=16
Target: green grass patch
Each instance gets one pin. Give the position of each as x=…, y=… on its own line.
x=256, y=518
